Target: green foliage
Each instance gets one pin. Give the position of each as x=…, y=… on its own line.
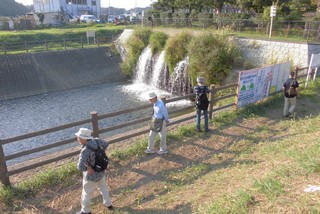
x=176, y=49
x=138, y=41
x=158, y=41
x=212, y=57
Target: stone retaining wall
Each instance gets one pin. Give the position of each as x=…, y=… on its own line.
x=263, y=52
x=37, y=73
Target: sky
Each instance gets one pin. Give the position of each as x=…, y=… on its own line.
x=127, y=4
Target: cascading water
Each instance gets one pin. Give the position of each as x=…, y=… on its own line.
x=143, y=66
x=159, y=68
x=180, y=82
x=152, y=75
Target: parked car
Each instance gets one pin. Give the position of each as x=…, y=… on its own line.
x=111, y=18
x=89, y=19
x=74, y=19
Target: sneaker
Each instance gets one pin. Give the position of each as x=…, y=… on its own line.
x=207, y=130
x=148, y=151
x=83, y=213
x=199, y=130
x=160, y=152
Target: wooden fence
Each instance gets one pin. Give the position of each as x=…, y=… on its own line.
x=4, y=173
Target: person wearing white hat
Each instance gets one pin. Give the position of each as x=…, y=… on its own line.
x=92, y=180
x=202, y=103
x=160, y=112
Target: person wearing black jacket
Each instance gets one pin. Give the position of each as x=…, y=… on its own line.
x=290, y=91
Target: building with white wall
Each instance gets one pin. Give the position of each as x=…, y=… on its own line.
x=74, y=7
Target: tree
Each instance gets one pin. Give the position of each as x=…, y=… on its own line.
x=165, y=5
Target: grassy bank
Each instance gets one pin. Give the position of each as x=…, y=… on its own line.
x=253, y=161
x=68, y=32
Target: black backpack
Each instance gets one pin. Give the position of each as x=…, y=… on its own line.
x=202, y=101
x=101, y=159
x=292, y=89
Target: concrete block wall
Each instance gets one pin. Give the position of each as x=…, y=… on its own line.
x=263, y=52
x=37, y=73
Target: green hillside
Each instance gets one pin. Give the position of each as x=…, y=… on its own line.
x=12, y=8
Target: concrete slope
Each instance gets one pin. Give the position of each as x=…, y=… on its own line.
x=36, y=73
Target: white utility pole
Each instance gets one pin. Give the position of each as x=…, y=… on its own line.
x=273, y=11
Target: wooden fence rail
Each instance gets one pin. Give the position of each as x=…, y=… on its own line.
x=4, y=173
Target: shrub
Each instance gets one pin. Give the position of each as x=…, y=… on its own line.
x=158, y=41
x=176, y=49
x=212, y=57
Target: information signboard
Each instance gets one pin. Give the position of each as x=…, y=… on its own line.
x=257, y=84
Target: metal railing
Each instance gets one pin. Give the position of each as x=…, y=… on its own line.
x=95, y=118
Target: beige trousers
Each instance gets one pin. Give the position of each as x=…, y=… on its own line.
x=289, y=105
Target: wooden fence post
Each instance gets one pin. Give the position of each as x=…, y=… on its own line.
x=4, y=177
x=212, y=93
x=164, y=99
x=296, y=70
x=95, y=126
x=46, y=44
x=5, y=47
x=26, y=46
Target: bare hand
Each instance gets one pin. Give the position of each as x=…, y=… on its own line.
x=89, y=169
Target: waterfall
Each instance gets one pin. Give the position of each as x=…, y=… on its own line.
x=180, y=82
x=143, y=66
x=158, y=70
x=152, y=74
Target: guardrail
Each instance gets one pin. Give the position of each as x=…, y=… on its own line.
x=5, y=174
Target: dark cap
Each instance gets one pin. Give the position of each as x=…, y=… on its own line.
x=292, y=74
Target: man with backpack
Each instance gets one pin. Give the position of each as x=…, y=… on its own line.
x=93, y=169
x=290, y=91
x=202, y=103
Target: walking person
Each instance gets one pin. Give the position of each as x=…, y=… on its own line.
x=291, y=92
x=202, y=103
x=92, y=180
x=159, y=120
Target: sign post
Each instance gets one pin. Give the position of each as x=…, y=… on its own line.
x=273, y=11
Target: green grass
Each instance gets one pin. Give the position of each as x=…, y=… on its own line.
x=43, y=179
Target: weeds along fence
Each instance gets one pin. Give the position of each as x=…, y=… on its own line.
x=182, y=115
x=57, y=44
x=307, y=30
